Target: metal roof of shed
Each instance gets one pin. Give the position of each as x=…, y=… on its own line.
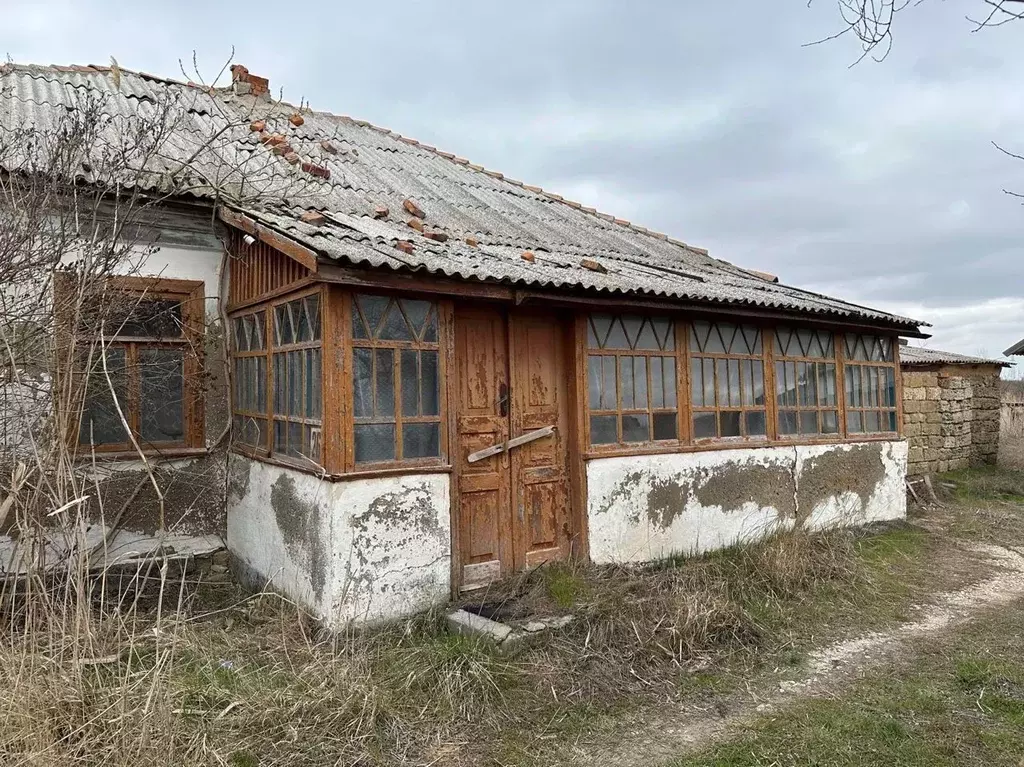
x=487, y=221
x=918, y=355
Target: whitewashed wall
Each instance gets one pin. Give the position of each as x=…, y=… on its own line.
x=357, y=551
x=645, y=508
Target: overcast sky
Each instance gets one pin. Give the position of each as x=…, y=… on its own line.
x=710, y=121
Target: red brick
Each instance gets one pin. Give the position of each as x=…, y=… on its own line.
x=529, y=255
x=381, y=211
x=296, y=119
x=414, y=209
x=258, y=126
x=314, y=218
x=436, y=236
x=594, y=266
x=328, y=147
x=472, y=242
x=292, y=157
x=415, y=223
x=404, y=246
x=316, y=170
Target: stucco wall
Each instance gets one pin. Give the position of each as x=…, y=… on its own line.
x=355, y=551
x=951, y=416
x=645, y=508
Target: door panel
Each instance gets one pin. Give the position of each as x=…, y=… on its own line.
x=484, y=499
x=540, y=469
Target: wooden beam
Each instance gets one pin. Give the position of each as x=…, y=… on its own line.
x=289, y=247
x=387, y=280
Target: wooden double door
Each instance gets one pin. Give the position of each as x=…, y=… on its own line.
x=511, y=442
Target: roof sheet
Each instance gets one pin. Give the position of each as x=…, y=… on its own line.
x=917, y=355
x=369, y=167
x=1016, y=349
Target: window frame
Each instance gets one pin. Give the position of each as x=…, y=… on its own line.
x=192, y=296
x=693, y=354
x=835, y=360
x=269, y=307
x=893, y=363
x=350, y=343
x=676, y=353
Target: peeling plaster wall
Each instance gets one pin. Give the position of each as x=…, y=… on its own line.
x=645, y=508
x=358, y=551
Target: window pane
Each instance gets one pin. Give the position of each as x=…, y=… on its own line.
x=872, y=422
x=640, y=381
x=280, y=385
x=594, y=381
x=756, y=423
x=101, y=425
x=603, y=429
x=311, y=442
x=734, y=383
x=385, y=383
x=283, y=325
x=300, y=321
x=809, y=422
x=313, y=311
x=295, y=440
x=788, y=422
x=626, y=381
x=829, y=422
x=705, y=425
x=418, y=313
x=647, y=339
x=636, y=428
x=430, y=383
x=597, y=330
x=757, y=382
x=295, y=366
x=663, y=329
x=395, y=328
x=616, y=336
x=697, y=382
x=240, y=334
x=722, y=377
x=374, y=442
x=280, y=444
x=729, y=423
x=410, y=382
x=709, y=383
x=670, y=381
x=372, y=309
x=146, y=317
x=665, y=426
x=421, y=440
x=657, y=384
x=632, y=326
x=608, y=390
x=854, y=423
x=892, y=420
x=852, y=386
x=362, y=382
x=889, y=392
x=162, y=395
x=314, y=384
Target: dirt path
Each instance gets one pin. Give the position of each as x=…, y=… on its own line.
x=682, y=729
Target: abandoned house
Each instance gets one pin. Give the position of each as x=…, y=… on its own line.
x=439, y=376
x=951, y=408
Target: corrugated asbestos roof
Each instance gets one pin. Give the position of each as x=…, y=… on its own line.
x=1016, y=349
x=916, y=355
x=368, y=167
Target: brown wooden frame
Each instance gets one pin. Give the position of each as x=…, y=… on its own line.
x=192, y=295
x=863, y=367
x=694, y=354
x=619, y=410
x=271, y=348
x=778, y=358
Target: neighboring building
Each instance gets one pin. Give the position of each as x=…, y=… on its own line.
x=951, y=409
x=441, y=376
x=1016, y=350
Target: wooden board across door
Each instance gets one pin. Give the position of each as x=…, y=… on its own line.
x=513, y=506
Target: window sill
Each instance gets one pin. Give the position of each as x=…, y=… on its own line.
x=316, y=471
x=751, y=444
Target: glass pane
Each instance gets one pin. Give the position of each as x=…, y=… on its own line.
x=374, y=442
x=783, y=337
x=854, y=423
x=372, y=308
x=648, y=339
x=829, y=422
x=626, y=381
x=314, y=384
x=705, y=425
x=162, y=395
x=657, y=384
x=603, y=429
x=395, y=328
x=729, y=423
x=597, y=330
x=697, y=382
x=709, y=382
x=889, y=390
x=300, y=321
x=873, y=391
x=632, y=326
x=752, y=336
x=295, y=386
x=827, y=384
x=594, y=381
x=663, y=330
x=665, y=426
x=756, y=423
x=240, y=335
x=430, y=330
x=311, y=442
x=670, y=381
x=147, y=317
x=852, y=386
x=757, y=382
x=421, y=440
x=636, y=428
x=261, y=384
x=872, y=422
x=608, y=390
x=385, y=383
x=722, y=377
x=410, y=376
x=362, y=382
x=430, y=384
x=734, y=383
x=313, y=312
x=417, y=313
x=295, y=440
x=787, y=422
x=258, y=341
x=280, y=384
x=283, y=326
x=616, y=336
x=891, y=418
x=101, y=425
x=809, y=422
x=640, y=381
x=280, y=444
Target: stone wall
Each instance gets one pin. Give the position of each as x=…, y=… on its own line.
x=951, y=416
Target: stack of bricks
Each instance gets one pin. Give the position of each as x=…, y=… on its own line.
x=951, y=416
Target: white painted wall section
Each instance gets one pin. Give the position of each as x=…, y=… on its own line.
x=646, y=508
x=359, y=551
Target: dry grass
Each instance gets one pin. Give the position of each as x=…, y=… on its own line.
x=203, y=680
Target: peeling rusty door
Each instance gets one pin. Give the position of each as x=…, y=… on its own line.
x=513, y=506
x=540, y=469
x=482, y=419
